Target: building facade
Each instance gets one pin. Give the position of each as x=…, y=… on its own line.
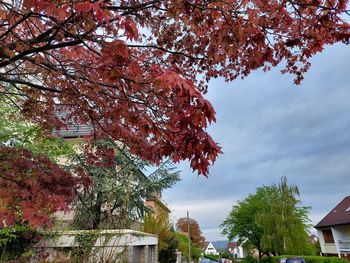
x=334, y=231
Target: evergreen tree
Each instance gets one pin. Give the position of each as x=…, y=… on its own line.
x=115, y=197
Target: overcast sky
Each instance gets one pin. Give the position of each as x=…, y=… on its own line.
x=268, y=128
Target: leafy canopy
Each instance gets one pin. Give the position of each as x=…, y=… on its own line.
x=196, y=252
x=286, y=223
x=196, y=236
x=157, y=222
x=32, y=185
x=241, y=222
x=272, y=220
x=133, y=69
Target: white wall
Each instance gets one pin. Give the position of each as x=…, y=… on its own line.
x=328, y=248
x=342, y=232
x=211, y=250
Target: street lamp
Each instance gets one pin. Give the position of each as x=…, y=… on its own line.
x=189, y=241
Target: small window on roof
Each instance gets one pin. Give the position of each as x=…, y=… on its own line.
x=347, y=209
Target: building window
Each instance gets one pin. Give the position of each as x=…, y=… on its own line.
x=328, y=236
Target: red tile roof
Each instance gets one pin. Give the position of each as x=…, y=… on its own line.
x=339, y=215
x=232, y=244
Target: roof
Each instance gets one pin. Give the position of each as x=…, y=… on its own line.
x=72, y=129
x=339, y=215
x=232, y=244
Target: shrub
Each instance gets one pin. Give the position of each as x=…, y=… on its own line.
x=269, y=260
x=16, y=241
x=308, y=259
x=212, y=257
x=249, y=259
x=318, y=259
x=183, y=247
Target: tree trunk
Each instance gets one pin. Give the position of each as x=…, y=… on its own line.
x=97, y=212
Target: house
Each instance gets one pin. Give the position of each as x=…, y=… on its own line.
x=210, y=249
x=312, y=239
x=236, y=250
x=136, y=246
x=73, y=133
x=334, y=231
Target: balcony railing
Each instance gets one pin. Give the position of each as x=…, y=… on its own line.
x=344, y=245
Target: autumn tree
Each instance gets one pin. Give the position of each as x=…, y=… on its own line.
x=32, y=185
x=136, y=70
x=196, y=236
x=272, y=220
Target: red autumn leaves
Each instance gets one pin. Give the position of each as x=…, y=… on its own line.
x=137, y=71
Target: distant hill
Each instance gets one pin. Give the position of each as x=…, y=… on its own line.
x=219, y=244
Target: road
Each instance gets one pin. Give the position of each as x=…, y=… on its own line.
x=206, y=260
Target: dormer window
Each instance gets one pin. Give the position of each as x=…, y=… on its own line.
x=347, y=209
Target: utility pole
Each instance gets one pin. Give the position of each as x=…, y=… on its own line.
x=189, y=240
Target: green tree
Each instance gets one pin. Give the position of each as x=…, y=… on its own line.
x=272, y=220
x=16, y=131
x=115, y=197
x=241, y=222
x=285, y=223
x=183, y=247
x=157, y=222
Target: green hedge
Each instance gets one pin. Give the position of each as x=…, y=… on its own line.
x=250, y=259
x=308, y=259
x=212, y=257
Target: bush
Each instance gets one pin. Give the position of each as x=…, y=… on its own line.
x=308, y=259
x=183, y=247
x=269, y=260
x=212, y=257
x=249, y=259
x=168, y=253
x=16, y=241
x=318, y=259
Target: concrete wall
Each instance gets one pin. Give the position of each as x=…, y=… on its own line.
x=135, y=246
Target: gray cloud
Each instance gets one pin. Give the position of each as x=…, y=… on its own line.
x=269, y=128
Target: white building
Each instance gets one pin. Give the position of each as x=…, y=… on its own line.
x=236, y=250
x=334, y=231
x=210, y=249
